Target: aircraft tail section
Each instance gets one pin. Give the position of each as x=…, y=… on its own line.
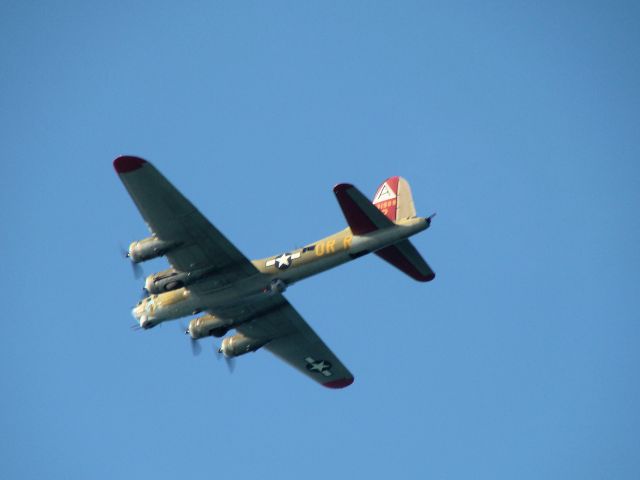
x=392, y=202
x=393, y=198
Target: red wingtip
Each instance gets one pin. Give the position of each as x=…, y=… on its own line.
x=126, y=163
x=343, y=382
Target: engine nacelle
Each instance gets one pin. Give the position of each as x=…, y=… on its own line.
x=208, y=325
x=171, y=279
x=276, y=286
x=148, y=248
x=239, y=345
x=165, y=281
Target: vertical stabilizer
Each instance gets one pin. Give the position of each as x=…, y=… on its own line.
x=394, y=199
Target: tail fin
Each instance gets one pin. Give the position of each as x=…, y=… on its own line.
x=394, y=199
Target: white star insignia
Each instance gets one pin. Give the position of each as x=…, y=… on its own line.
x=282, y=260
x=321, y=366
x=318, y=366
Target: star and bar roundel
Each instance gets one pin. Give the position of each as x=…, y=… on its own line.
x=321, y=366
x=283, y=261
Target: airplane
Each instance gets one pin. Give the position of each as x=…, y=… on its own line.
x=210, y=275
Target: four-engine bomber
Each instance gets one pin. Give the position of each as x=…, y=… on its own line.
x=210, y=277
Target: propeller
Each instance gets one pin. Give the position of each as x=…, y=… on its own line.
x=230, y=361
x=196, y=349
x=195, y=346
x=136, y=267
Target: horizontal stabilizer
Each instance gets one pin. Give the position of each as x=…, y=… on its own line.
x=362, y=216
x=404, y=256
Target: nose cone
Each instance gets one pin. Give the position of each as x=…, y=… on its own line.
x=141, y=317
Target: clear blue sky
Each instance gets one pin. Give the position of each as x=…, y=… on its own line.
x=518, y=122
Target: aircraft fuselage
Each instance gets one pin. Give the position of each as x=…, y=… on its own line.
x=274, y=272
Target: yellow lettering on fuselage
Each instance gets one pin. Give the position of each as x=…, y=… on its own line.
x=326, y=247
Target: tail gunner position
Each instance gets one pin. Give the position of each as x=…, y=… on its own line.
x=210, y=275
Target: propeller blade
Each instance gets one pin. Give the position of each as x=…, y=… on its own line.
x=195, y=345
x=230, y=361
x=137, y=268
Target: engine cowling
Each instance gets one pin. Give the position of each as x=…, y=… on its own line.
x=276, y=286
x=171, y=279
x=148, y=248
x=206, y=326
x=240, y=344
x=165, y=281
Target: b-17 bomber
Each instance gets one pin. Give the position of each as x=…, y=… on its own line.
x=211, y=278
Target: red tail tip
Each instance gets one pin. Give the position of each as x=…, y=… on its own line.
x=126, y=163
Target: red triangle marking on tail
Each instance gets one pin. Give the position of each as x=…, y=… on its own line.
x=386, y=198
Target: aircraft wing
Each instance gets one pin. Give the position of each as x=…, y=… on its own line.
x=173, y=218
x=295, y=342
